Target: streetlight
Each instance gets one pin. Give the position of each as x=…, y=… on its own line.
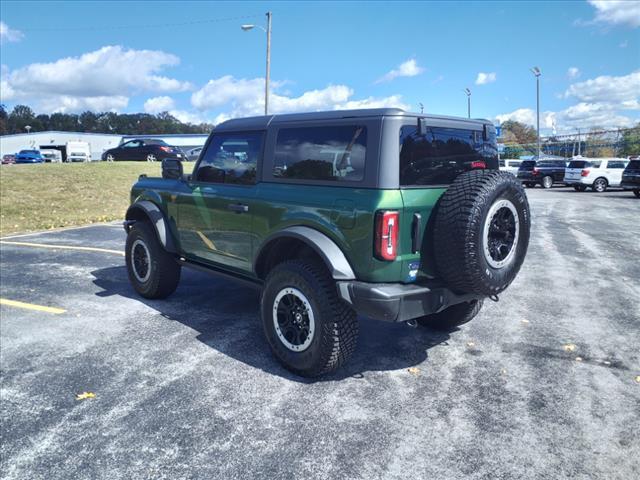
x=536, y=71
x=246, y=28
x=468, y=92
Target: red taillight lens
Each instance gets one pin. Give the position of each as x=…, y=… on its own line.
x=165, y=149
x=584, y=173
x=386, y=241
x=536, y=171
x=478, y=164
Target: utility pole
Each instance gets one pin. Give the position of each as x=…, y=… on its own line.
x=536, y=71
x=468, y=92
x=266, y=83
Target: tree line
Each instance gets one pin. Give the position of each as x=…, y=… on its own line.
x=22, y=119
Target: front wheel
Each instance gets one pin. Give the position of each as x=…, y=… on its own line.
x=110, y=157
x=452, y=317
x=547, y=182
x=152, y=271
x=311, y=331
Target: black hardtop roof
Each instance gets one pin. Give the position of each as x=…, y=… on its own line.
x=263, y=121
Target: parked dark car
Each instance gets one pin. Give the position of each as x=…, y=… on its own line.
x=143, y=149
x=542, y=172
x=8, y=159
x=631, y=177
x=29, y=156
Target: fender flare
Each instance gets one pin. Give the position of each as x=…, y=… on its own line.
x=331, y=254
x=156, y=217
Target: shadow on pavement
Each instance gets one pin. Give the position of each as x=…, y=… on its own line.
x=218, y=310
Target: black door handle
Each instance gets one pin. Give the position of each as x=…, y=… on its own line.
x=238, y=207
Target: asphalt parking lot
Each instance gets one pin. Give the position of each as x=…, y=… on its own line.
x=542, y=384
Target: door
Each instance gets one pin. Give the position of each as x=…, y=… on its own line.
x=215, y=216
x=131, y=150
x=614, y=172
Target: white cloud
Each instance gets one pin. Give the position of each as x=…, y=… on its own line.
x=112, y=72
x=410, y=68
x=159, y=104
x=602, y=102
x=484, y=78
x=607, y=89
x=245, y=97
x=617, y=12
x=573, y=72
x=9, y=34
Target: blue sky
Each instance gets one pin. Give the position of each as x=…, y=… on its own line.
x=74, y=56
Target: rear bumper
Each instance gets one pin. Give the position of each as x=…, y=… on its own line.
x=397, y=302
x=576, y=181
x=630, y=185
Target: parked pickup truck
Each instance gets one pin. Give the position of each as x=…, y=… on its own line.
x=541, y=172
x=391, y=215
x=597, y=173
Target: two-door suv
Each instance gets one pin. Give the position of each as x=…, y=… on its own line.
x=390, y=215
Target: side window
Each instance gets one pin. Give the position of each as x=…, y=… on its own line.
x=335, y=153
x=616, y=164
x=231, y=158
x=438, y=157
x=595, y=164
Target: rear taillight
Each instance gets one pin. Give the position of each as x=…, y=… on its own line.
x=165, y=149
x=584, y=173
x=536, y=171
x=386, y=239
x=478, y=164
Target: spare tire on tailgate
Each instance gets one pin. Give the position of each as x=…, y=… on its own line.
x=482, y=232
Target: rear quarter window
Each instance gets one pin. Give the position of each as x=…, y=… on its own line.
x=334, y=153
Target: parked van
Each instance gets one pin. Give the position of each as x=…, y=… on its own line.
x=78, y=152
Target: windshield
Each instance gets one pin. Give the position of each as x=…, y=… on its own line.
x=634, y=165
x=579, y=164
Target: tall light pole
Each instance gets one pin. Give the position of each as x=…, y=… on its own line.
x=536, y=71
x=267, y=30
x=468, y=92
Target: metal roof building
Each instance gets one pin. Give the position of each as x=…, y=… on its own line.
x=98, y=142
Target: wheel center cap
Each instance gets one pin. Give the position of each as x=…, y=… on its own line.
x=298, y=317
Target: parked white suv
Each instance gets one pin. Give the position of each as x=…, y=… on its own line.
x=597, y=173
x=510, y=165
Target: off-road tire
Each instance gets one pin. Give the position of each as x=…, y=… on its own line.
x=460, y=226
x=452, y=317
x=336, y=325
x=164, y=271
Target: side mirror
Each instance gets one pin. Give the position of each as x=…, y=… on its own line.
x=172, y=169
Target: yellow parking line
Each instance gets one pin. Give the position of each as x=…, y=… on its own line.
x=31, y=306
x=63, y=247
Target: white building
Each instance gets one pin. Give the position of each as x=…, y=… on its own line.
x=98, y=142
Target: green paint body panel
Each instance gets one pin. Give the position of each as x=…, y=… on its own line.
x=206, y=231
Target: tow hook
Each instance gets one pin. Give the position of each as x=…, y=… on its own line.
x=412, y=323
x=494, y=298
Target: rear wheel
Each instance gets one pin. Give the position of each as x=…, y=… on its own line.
x=579, y=188
x=547, y=182
x=151, y=158
x=311, y=331
x=599, y=185
x=453, y=316
x=152, y=271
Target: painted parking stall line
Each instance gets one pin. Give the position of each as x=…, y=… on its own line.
x=31, y=306
x=63, y=247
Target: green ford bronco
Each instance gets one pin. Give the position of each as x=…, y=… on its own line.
x=391, y=215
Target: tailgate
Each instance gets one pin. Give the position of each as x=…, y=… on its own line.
x=416, y=219
x=573, y=174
